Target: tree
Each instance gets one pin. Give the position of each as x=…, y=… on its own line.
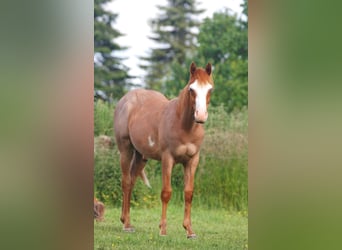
x=223, y=41
x=244, y=6
x=110, y=75
x=174, y=32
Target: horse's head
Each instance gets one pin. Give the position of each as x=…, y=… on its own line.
x=200, y=87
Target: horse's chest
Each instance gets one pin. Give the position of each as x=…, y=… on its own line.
x=186, y=150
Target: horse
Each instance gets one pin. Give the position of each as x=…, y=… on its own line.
x=149, y=126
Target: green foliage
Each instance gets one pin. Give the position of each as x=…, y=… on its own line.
x=223, y=41
x=215, y=229
x=173, y=31
x=244, y=6
x=103, y=118
x=178, y=78
x=107, y=176
x=221, y=178
x=110, y=75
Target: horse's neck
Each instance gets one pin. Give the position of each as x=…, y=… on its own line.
x=185, y=110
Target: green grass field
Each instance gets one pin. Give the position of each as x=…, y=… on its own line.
x=219, y=214
x=215, y=229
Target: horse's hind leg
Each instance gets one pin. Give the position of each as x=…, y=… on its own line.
x=126, y=156
x=132, y=164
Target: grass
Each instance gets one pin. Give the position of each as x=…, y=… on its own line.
x=215, y=229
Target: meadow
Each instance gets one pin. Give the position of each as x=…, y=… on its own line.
x=215, y=229
x=220, y=202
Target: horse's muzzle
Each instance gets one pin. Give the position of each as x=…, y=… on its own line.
x=201, y=116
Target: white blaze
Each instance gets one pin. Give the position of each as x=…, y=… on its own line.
x=201, y=91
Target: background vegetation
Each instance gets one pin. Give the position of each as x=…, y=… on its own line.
x=181, y=37
x=221, y=178
x=110, y=74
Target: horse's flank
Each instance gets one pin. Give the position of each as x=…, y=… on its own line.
x=145, y=109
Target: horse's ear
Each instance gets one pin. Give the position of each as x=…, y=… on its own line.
x=208, y=68
x=192, y=68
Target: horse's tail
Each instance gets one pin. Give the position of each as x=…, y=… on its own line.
x=144, y=178
x=137, y=169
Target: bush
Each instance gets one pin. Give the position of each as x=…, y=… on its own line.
x=103, y=118
x=222, y=176
x=107, y=172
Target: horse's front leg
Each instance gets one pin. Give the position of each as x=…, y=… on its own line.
x=167, y=164
x=189, y=175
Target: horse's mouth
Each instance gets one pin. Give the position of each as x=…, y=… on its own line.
x=200, y=122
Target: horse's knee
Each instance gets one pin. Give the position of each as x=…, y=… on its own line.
x=126, y=183
x=166, y=195
x=188, y=195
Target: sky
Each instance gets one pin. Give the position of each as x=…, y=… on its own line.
x=132, y=21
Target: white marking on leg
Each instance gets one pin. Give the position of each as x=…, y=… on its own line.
x=150, y=141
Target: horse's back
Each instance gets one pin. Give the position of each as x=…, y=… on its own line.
x=136, y=106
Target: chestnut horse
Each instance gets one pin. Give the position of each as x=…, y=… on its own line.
x=149, y=126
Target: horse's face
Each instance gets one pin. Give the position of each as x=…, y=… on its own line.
x=200, y=88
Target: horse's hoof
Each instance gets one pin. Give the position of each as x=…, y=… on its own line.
x=162, y=232
x=191, y=236
x=129, y=229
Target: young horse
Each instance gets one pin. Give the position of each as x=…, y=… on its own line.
x=149, y=126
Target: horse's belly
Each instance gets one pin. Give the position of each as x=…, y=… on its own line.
x=146, y=144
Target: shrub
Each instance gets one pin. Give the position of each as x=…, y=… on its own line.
x=103, y=118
